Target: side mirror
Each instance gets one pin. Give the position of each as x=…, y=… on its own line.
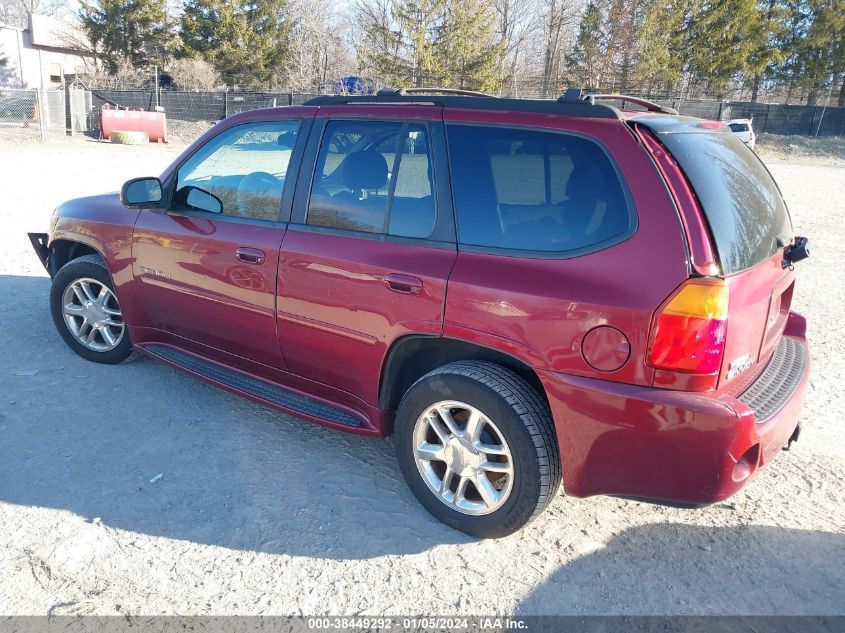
x=141, y=192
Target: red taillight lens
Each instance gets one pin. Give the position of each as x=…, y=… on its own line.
x=689, y=331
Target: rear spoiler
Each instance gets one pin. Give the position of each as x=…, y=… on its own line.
x=577, y=94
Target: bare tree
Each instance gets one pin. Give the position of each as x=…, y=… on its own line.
x=193, y=74
x=372, y=41
x=124, y=77
x=516, y=20
x=557, y=16
x=17, y=12
x=319, y=52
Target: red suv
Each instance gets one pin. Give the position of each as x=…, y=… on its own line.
x=524, y=291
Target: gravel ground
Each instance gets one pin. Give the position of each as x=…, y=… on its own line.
x=260, y=513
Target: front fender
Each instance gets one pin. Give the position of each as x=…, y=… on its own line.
x=105, y=226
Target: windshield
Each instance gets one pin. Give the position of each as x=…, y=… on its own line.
x=743, y=206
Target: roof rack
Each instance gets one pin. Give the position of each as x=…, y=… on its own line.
x=384, y=92
x=578, y=94
x=477, y=101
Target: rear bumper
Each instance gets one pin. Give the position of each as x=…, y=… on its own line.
x=670, y=446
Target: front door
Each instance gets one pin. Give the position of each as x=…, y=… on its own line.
x=368, y=253
x=205, y=271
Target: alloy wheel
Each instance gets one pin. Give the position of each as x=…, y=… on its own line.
x=463, y=457
x=92, y=314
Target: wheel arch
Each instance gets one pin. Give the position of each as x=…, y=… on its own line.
x=413, y=356
x=63, y=250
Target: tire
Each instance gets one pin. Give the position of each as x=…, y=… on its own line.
x=93, y=269
x=515, y=418
x=130, y=138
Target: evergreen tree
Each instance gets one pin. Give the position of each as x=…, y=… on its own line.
x=766, y=35
x=622, y=23
x=585, y=63
x=720, y=40
x=819, y=48
x=246, y=41
x=126, y=31
x=467, y=47
x=402, y=45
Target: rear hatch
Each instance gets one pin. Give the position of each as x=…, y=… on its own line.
x=749, y=226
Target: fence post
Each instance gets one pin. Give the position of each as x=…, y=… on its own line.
x=42, y=112
x=765, y=126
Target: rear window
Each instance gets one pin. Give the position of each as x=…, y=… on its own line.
x=738, y=127
x=532, y=190
x=743, y=206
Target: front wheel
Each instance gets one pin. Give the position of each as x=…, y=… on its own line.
x=476, y=445
x=86, y=312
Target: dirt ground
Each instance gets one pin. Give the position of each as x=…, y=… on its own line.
x=260, y=513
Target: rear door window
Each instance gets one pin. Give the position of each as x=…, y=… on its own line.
x=742, y=204
x=532, y=190
x=374, y=177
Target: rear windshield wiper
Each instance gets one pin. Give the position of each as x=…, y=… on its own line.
x=795, y=252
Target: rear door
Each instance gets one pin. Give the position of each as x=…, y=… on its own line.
x=750, y=226
x=371, y=244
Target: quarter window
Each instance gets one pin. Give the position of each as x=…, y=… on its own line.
x=241, y=172
x=534, y=190
x=374, y=177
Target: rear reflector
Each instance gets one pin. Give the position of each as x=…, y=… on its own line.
x=689, y=330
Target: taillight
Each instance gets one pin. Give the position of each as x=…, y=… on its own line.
x=689, y=331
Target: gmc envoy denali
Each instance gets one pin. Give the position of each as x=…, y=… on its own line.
x=525, y=292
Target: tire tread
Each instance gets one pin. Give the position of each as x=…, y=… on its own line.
x=532, y=410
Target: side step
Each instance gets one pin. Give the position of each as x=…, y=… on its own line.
x=275, y=394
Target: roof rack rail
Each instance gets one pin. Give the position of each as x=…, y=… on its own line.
x=475, y=102
x=579, y=94
x=384, y=92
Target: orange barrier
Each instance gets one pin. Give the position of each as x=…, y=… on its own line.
x=153, y=123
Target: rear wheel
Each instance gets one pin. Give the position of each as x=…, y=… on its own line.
x=86, y=311
x=477, y=447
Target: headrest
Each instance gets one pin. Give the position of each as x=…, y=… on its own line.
x=286, y=139
x=364, y=170
x=583, y=182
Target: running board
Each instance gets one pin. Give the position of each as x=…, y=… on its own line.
x=288, y=399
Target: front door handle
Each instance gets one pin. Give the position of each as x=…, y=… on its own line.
x=404, y=284
x=250, y=255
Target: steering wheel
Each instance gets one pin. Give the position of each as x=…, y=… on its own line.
x=259, y=194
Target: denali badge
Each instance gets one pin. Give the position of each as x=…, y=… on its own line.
x=739, y=365
x=155, y=273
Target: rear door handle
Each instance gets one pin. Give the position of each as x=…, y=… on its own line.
x=403, y=284
x=250, y=255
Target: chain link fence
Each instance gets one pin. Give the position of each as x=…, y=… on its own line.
x=192, y=106
x=36, y=113
x=41, y=113
x=768, y=118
